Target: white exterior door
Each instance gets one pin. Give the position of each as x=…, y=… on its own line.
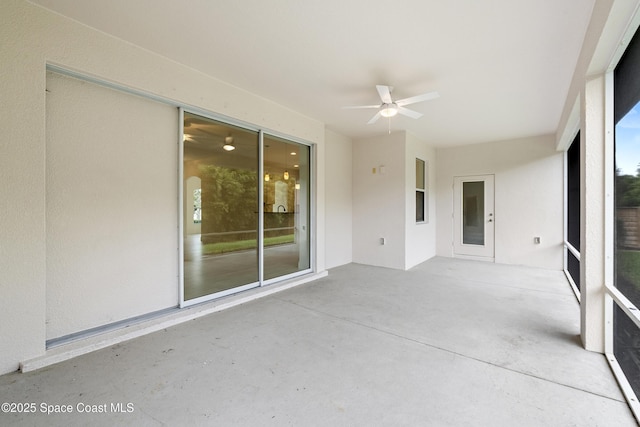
x=473, y=216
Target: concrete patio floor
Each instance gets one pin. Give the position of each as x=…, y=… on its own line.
x=448, y=343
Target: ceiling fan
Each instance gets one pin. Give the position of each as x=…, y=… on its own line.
x=390, y=108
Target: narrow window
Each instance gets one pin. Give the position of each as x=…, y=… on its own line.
x=421, y=192
x=573, y=211
x=197, y=206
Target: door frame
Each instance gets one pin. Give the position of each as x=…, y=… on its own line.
x=485, y=252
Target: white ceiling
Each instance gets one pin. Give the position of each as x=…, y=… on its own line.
x=502, y=67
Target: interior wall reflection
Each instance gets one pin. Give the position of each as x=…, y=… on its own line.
x=473, y=213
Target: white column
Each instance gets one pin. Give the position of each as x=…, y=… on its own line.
x=592, y=214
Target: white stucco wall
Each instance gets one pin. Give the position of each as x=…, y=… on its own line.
x=339, y=200
x=379, y=203
x=420, y=239
x=31, y=38
x=528, y=197
x=111, y=206
x=384, y=178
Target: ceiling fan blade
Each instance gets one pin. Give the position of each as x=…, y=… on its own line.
x=418, y=98
x=409, y=113
x=385, y=93
x=374, y=118
x=360, y=106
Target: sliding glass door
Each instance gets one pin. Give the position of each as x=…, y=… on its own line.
x=286, y=207
x=220, y=207
x=232, y=241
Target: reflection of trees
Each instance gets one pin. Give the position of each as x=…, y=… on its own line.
x=229, y=202
x=627, y=193
x=627, y=189
x=627, y=265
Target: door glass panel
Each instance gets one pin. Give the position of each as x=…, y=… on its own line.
x=473, y=213
x=286, y=207
x=420, y=206
x=220, y=206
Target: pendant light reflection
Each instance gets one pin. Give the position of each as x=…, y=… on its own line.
x=228, y=143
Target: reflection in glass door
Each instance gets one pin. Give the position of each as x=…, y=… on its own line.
x=473, y=213
x=241, y=229
x=286, y=207
x=220, y=207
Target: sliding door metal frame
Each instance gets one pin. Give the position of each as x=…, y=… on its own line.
x=180, y=236
x=261, y=207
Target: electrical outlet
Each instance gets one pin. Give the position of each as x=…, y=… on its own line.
x=536, y=240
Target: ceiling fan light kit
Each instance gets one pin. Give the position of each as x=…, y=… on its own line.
x=390, y=108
